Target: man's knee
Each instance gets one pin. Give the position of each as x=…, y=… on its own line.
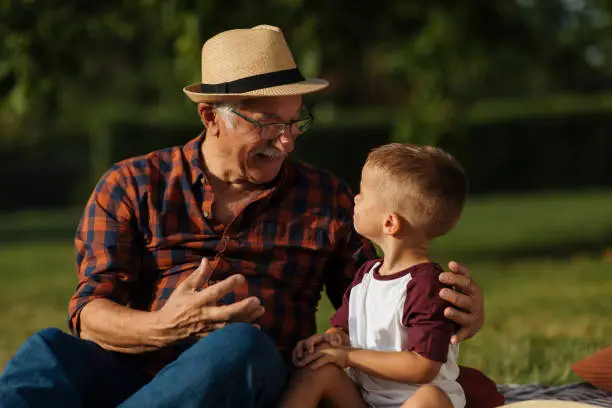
x=45, y=339
x=237, y=363
x=51, y=336
x=40, y=352
x=248, y=338
x=62, y=346
x=244, y=340
x=239, y=349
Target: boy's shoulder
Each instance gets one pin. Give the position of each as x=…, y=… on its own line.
x=426, y=274
x=426, y=269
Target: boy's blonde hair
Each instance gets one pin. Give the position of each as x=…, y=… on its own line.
x=424, y=184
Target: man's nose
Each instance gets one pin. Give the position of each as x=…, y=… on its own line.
x=285, y=143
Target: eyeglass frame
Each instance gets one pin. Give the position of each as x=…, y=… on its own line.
x=289, y=125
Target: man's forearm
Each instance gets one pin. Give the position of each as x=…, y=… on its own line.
x=400, y=366
x=118, y=328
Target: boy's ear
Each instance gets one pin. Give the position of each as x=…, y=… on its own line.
x=392, y=224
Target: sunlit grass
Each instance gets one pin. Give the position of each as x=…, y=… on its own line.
x=37, y=279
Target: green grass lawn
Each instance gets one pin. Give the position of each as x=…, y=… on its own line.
x=543, y=261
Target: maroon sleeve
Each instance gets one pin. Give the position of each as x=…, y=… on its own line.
x=429, y=332
x=340, y=318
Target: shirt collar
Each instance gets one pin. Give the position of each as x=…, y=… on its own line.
x=192, y=153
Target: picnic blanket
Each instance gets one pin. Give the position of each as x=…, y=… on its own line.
x=578, y=392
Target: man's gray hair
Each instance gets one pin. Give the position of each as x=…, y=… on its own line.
x=224, y=109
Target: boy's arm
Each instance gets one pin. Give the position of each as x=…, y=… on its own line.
x=400, y=366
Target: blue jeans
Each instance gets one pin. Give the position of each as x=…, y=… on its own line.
x=237, y=366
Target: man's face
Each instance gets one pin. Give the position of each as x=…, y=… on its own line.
x=368, y=217
x=259, y=154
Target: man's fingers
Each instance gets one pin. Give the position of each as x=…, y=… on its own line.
x=198, y=278
x=457, y=299
x=465, y=320
x=215, y=292
x=204, y=328
x=460, y=336
x=462, y=318
x=458, y=268
x=246, y=310
x=461, y=282
x=205, y=274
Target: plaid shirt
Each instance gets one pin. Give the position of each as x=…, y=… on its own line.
x=148, y=224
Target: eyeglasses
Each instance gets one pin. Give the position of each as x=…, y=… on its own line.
x=277, y=129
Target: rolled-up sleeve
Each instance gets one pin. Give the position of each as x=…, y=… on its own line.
x=107, y=255
x=428, y=330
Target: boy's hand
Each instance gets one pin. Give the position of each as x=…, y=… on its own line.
x=333, y=338
x=308, y=346
x=326, y=355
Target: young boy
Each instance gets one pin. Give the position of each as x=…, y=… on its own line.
x=390, y=332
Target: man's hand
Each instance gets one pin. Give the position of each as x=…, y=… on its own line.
x=308, y=346
x=467, y=299
x=189, y=312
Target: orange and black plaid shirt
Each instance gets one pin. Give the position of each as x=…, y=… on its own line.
x=149, y=222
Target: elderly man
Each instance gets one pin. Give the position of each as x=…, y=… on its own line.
x=201, y=266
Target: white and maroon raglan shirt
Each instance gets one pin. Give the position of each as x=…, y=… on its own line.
x=400, y=312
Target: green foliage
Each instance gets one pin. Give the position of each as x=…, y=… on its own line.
x=48, y=45
x=89, y=65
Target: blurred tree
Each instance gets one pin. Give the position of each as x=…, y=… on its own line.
x=83, y=64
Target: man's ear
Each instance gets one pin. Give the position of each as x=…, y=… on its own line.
x=392, y=224
x=208, y=117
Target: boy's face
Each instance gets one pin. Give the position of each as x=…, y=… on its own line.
x=369, y=212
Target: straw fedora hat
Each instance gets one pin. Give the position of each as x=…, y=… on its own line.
x=249, y=63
